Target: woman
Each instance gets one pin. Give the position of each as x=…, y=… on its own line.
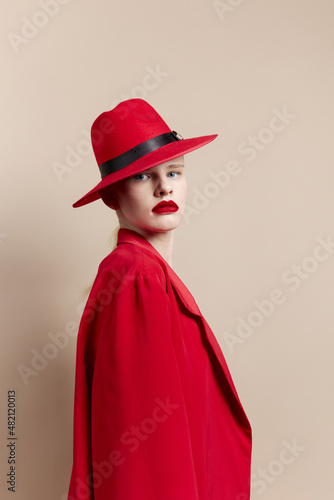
x=156, y=414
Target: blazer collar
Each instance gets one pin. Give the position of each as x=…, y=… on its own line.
x=132, y=237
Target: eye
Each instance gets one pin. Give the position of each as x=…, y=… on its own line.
x=173, y=176
x=139, y=177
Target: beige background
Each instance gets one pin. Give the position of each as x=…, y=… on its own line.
x=229, y=68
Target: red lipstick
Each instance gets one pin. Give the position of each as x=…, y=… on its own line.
x=165, y=207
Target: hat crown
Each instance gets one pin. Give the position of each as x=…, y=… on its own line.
x=130, y=123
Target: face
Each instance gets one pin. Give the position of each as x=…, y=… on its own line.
x=135, y=199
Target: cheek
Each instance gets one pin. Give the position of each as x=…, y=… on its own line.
x=133, y=205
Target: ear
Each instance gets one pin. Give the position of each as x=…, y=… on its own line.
x=108, y=198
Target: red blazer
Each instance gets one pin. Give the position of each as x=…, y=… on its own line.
x=156, y=414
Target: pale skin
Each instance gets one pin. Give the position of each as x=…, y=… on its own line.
x=134, y=198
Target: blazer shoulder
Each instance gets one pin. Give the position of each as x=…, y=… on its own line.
x=128, y=261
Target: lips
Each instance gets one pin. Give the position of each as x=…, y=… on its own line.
x=165, y=207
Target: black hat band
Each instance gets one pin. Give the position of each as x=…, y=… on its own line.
x=133, y=154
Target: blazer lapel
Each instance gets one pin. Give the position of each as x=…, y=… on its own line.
x=183, y=292
x=191, y=305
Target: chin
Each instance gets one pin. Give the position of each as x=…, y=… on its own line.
x=165, y=229
x=167, y=224
x=160, y=226
x=155, y=224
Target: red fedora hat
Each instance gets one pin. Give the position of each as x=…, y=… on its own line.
x=131, y=138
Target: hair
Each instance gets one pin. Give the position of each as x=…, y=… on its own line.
x=107, y=197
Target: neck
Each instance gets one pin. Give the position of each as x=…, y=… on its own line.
x=162, y=241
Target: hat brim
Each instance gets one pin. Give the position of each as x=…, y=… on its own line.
x=161, y=155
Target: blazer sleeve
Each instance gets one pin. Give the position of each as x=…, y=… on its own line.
x=139, y=420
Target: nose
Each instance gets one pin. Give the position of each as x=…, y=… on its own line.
x=163, y=186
